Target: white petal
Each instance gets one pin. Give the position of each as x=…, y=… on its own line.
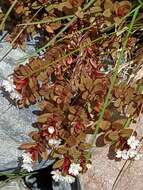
x=125, y=155
x=75, y=169
x=57, y=176
x=27, y=158
x=138, y=156
x=27, y=167
x=69, y=179
x=51, y=130
x=132, y=153
x=119, y=154
x=88, y=166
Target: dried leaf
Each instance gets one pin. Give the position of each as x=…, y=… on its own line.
x=27, y=146
x=58, y=164
x=107, y=13
x=61, y=150
x=85, y=95
x=43, y=118
x=117, y=102
x=49, y=29
x=45, y=154
x=76, y=3
x=71, y=141
x=108, y=4
x=72, y=109
x=105, y=125
x=74, y=153
x=126, y=133
x=114, y=136
x=34, y=135
x=122, y=8
x=118, y=124
x=84, y=146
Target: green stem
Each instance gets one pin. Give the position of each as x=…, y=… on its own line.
x=59, y=34
x=128, y=122
x=47, y=21
x=140, y=2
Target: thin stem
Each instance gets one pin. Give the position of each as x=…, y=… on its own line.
x=7, y=14
x=88, y=4
x=128, y=122
x=61, y=32
x=119, y=174
x=46, y=21
x=122, y=171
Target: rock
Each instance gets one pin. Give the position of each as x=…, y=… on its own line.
x=104, y=172
x=15, y=124
x=14, y=185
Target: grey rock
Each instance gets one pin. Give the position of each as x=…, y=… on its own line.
x=15, y=124
x=17, y=184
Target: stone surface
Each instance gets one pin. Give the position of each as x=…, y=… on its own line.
x=104, y=172
x=15, y=124
x=14, y=185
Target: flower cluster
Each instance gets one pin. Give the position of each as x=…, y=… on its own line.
x=54, y=142
x=58, y=177
x=27, y=162
x=132, y=152
x=10, y=88
x=133, y=142
x=73, y=171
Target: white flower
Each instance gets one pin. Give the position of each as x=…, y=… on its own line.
x=57, y=175
x=51, y=129
x=119, y=154
x=69, y=179
x=15, y=95
x=125, y=155
x=88, y=166
x=132, y=153
x=7, y=85
x=54, y=142
x=10, y=87
x=138, y=156
x=27, y=162
x=133, y=142
x=27, y=158
x=27, y=167
x=75, y=169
